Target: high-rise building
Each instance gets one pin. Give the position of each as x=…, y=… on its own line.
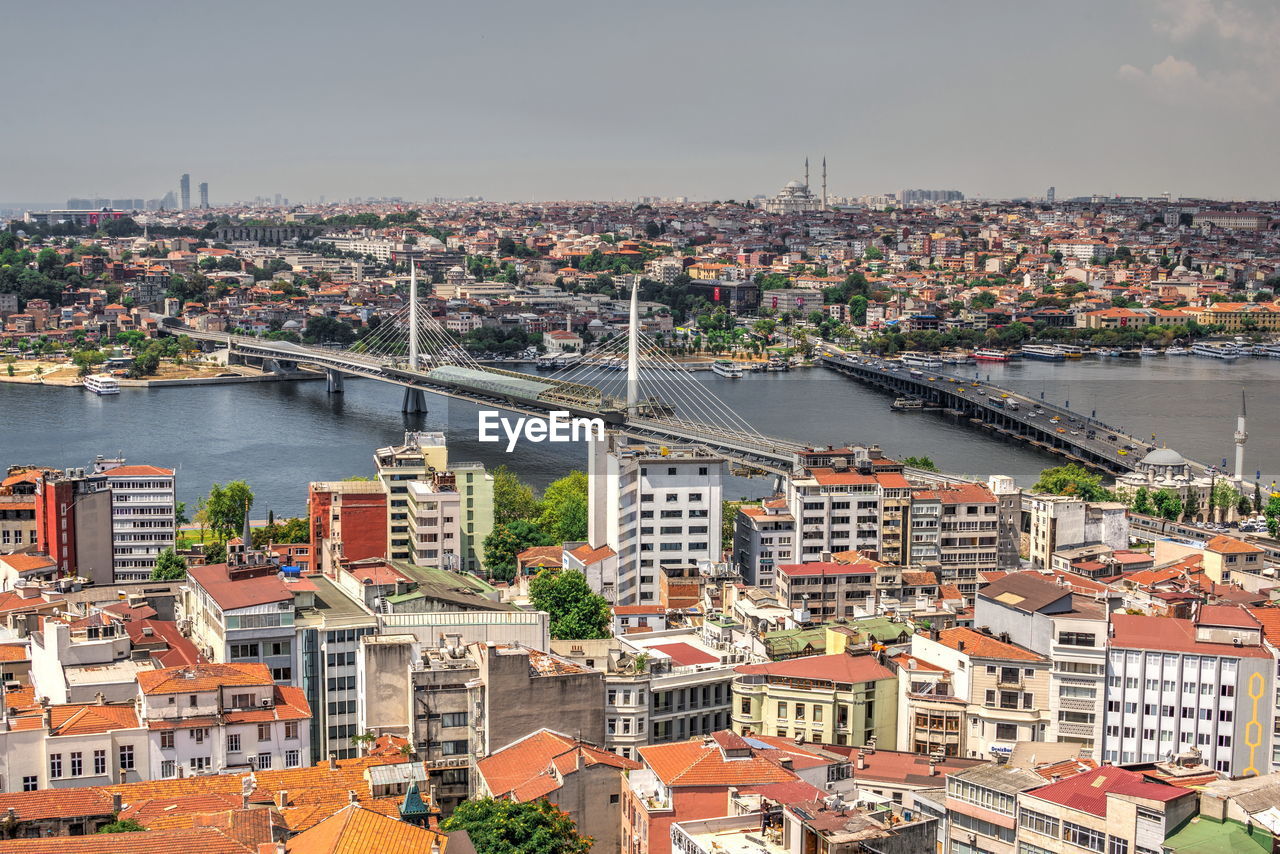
x=656, y=507
x=1048, y=197
x=204, y=194
x=184, y=187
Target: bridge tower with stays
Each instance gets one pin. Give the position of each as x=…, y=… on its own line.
x=414, y=401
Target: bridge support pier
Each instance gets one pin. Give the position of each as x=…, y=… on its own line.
x=332, y=381
x=414, y=401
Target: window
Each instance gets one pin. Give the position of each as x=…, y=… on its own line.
x=454, y=748
x=245, y=650
x=30, y=784
x=77, y=764
x=233, y=742
x=292, y=759
x=1045, y=825
x=99, y=762
x=55, y=765
x=264, y=760
x=264, y=732
x=453, y=719
x=1006, y=732
x=241, y=701
x=168, y=768
x=782, y=710
x=126, y=757
x=1116, y=845
x=1084, y=837
x=291, y=730
x=166, y=740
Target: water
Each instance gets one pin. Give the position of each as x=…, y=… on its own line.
x=280, y=436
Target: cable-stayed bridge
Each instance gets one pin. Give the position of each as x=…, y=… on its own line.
x=628, y=382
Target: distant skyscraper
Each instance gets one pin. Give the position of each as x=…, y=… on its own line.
x=1048, y=197
x=204, y=194
x=184, y=187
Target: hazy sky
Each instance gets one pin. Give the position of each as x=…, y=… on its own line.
x=723, y=99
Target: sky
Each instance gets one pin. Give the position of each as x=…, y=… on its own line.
x=710, y=99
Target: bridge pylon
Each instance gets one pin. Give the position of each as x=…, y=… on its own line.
x=332, y=381
x=414, y=401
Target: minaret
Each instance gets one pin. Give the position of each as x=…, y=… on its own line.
x=1241, y=437
x=806, y=174
x=824, y=182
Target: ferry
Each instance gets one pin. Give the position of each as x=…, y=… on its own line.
x=957, y=357
x=1225, y=352
x=921, y=360
x=102, y=384
x=1272, y=350
x=1042, y=352
x=777, y=365
x=907, y=404
x=1148, y=351
x=1177, y=351
x=1071, y=351
x=990, y=355
x=726, y=368
x=1107, y=352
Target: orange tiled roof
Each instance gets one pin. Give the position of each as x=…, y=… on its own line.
x=206, y=840
x=356, y=830
x=979, y=645
x=523, y=769
x=1230, y=545
x=76, y=718
x=206, y=676
x=696, y=763
x=138, y=471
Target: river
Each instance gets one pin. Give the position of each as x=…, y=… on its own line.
x=280, y=436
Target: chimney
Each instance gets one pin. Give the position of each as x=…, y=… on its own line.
x=100, y=698
x=12, y=815
x=117, y=802
x=933, y=768
x=47, y=716
x=333, y=762
x=244, y=800
x=282, y=798
x=351, y=796
x=861, y=762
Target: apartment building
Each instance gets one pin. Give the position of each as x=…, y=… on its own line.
x=842, y=698
x=1107, y=809
x=142, y=515
x=655, y=507
x=221, y=718
x=1005, y=688
x=957, y=529
x=762, y=539
x=1203, y=684
x=18, y=527
x=836, y=510
x=982, y=808
x=690, y=682
x=348, y=521
x=246, y=613
x=827, y=590
x=1064, y=619
x=628, y=688
x=1056, y=522
x=434, y=518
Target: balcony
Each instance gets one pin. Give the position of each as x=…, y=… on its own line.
x=1086, y=730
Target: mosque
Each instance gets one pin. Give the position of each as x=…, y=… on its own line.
x=796, y=197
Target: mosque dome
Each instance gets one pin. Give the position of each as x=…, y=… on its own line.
x=1164, y=457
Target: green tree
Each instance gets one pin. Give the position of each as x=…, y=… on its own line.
x=1271, y=510
x=506, y=541
x=170, y=566
x=1191, y=506
x=577, y=612
x=1142, y=501
x=226, y=507
x=1244, y=506
x=858, y=309
x=1225, y=496
x=512, y=500
x=1072, y=479
x=925, y=463
x=985, y=299
x=215, y=553
x=122, y=825
x=564, y=508
x=503, y=826
x=1167, y=504
x=86, y=360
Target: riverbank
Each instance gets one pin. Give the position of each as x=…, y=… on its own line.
x=66, y=375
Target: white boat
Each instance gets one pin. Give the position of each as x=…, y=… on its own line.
x=920, y=360
x=102, y=384
x=1042, y=352
x=1177, y=351
x=1225, y=352
x=1272, y=350
x=1148, y=351
x=726, y=368
x=1071, y=351
x=1106, y=352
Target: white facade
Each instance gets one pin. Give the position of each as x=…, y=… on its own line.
x=654, y=507
x=434, y=507
x=833, y=512
x=142, y=518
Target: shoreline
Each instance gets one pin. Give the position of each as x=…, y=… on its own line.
x=168, y=382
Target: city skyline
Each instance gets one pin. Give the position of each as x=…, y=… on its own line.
x=894, y=98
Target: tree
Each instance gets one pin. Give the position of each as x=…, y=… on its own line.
x=215, y=553
x=1142, y=501
x=858, y=309
x=226, y=508
x=564, y=508
x=512, y=500
x=170, y=566
x=86, y=360
x=920, y=463
x=123, y=825
x=1244, y=506
x=1192, y=505
x=1072, y=479
x=506, y=541
x=577, y=612
x=1271, y=510
x=503, y=826
x=1167, y=504
x=986, y=299
x=1224, y=497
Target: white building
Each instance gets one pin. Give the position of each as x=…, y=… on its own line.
x=219, y=718
x=655, y=507
x=434, y=512
x=142, y=515
x=1062, y=522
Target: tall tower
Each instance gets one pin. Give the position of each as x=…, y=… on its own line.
x=806, y=174
x=204, y=194
x=184, y=188
x=1048, y=197
x=824, y=182
x=633, y=351
x=1241, y=437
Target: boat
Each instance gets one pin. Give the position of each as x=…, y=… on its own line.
x=1177, y=351
x=1071, y=351
x=1225, y=352
x=1042, y=352
x=1272, y=350
x=102, y=384
x=1107, y=352
x=777, y=365
x=957, y=357
x=907, y=404
x=1148, y=351
x=990, y=355
x=726, y=368
x=921, y=360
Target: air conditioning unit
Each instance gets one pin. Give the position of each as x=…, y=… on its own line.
x=266, y=704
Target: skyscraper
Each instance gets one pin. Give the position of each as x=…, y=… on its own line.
x=204, y=194
x=184, y=187
x=1048, y=197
